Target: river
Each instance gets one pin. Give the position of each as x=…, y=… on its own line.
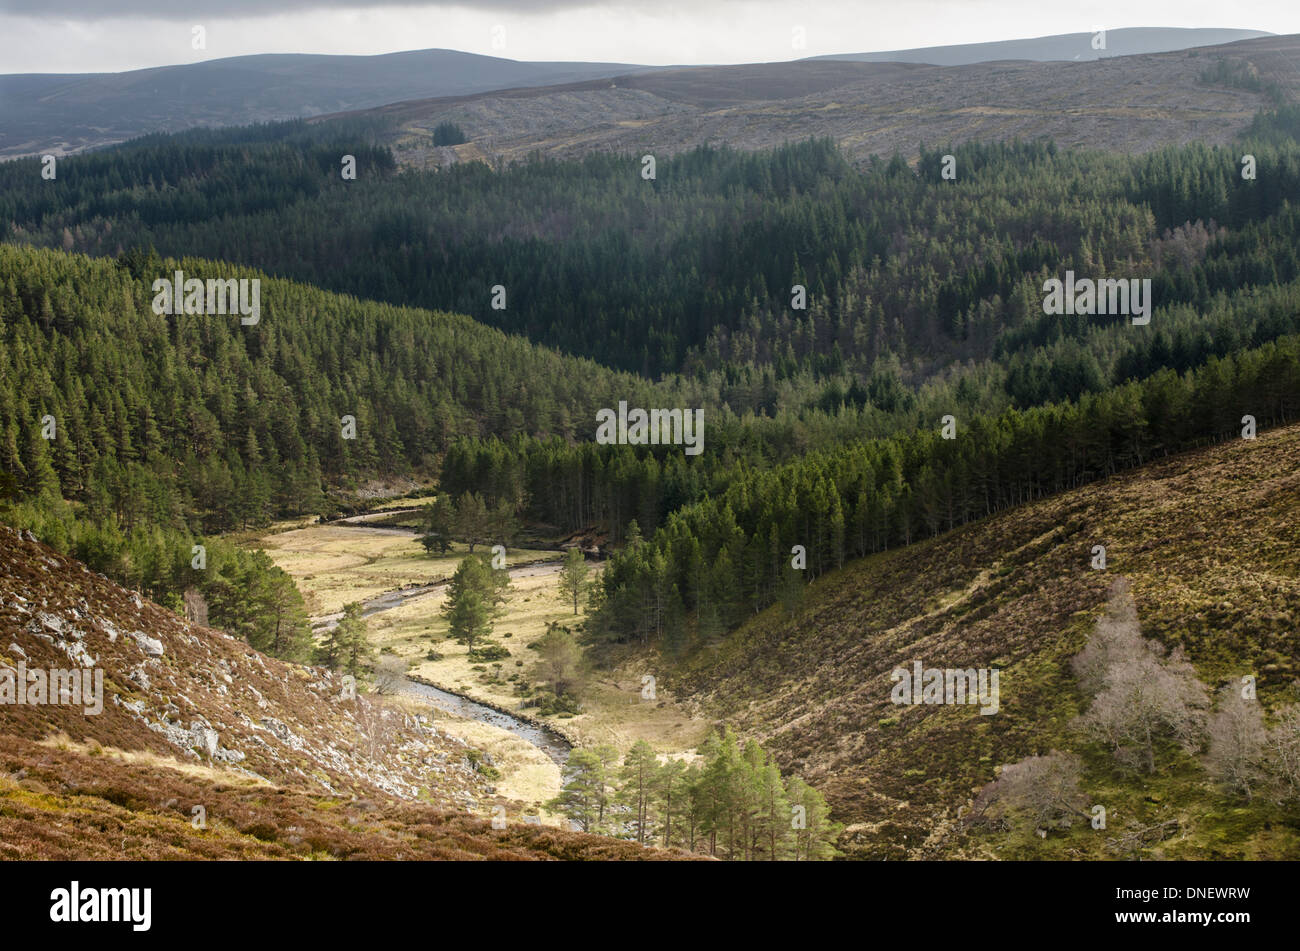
x=546, y=740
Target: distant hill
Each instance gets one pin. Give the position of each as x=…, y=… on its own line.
x=1065, y=46
x=1135, y=104
x=64, y=113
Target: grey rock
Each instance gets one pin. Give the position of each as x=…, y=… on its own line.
x=150, y=645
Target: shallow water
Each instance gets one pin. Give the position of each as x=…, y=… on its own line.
x=548, y=741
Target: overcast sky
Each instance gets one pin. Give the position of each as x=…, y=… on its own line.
x=111, y=35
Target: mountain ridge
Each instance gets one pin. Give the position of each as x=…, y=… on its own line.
x=1133, y=103
x=1125, y=41
x=63, y=113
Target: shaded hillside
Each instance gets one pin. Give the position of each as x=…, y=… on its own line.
x=282, y=763
x=180, y=392
x=1208, y=541
x=1132, y=103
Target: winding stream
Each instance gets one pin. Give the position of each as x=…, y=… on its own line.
x=548, y=741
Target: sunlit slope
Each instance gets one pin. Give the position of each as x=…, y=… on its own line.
x=1208, y=540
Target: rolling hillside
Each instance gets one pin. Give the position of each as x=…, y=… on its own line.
x=1132, y=103
x=1208, y=542
x=872, y=102
x=827, y=312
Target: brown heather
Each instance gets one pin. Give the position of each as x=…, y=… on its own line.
x=1208, y=540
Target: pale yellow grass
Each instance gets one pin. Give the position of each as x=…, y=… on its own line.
x=614, y=711
x=616, y=714
x=418, y=502
x=412, y=629
x=334, y=565
x=225, y=776
x=528, y=776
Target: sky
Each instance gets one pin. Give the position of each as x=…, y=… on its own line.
x=113, y=35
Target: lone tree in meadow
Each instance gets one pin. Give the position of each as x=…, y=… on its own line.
x=472, y=601
x=573, y=576
x=560, y=664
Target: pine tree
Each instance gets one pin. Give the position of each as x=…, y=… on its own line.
x=560, y=662
x=470, y=604
x=358, y=654
x=346, y=646
x=814, y=834
x=438, y=524
x=585, y=796
x=639, y=778
x=573, y=576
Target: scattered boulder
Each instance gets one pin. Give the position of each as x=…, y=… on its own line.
x=150, y=645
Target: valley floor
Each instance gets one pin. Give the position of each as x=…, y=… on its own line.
x=333, y=564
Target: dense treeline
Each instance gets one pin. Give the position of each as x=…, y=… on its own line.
x=573, y=486
x=197, y=419
x=727, y=556
x=692, y=271
x=1198, y=275
x=925, y=298
x=126, y=437
x=190, y=179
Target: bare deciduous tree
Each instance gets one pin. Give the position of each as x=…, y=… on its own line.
x=1184, y=245
x=1237, y=740
x=376, y=724
x=1043, y=789
x=390, y=674
x=1282, y=754
x=196, y=607
x=1140, y=694
x=1116, y=638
